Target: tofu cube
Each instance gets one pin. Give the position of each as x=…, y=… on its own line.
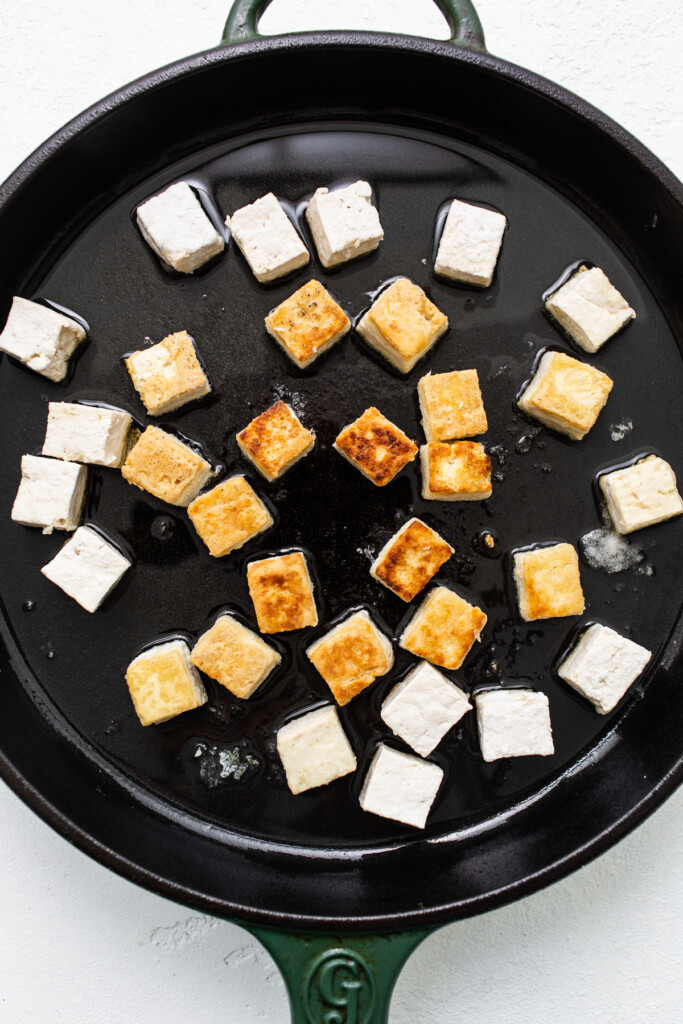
x=275, y=440
x=376, y=447
x=470, y=243
x=267, y=239
x=351, y=656
x=40, y=338
x=175, y=226
x=513, y=723
x=229, y=515
x=86, y=433
x=602, y=665
x=589, y=308
x=410, y=559
x=282, y=592
x=314, y=750
x=344, y=223
x=402, y=324
x=423, y=707
x=566, y=394
x=307, y=324
x=50, y=494
x=451, y=405
x=168, y=375
x=455, y=472
x=164, y=683
x=87, y=568
x=548, y=582
x=167, y=468
x=443, y=629
x=400, y=787
x=641, y=495
x=234, y=656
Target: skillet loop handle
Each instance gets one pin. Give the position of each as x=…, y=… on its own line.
x=462, y=19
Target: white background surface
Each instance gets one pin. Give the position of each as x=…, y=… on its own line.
x=79, y=944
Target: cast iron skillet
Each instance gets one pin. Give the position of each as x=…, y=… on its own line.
x=423, y=121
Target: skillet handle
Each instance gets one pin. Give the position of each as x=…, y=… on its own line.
x=462, y=19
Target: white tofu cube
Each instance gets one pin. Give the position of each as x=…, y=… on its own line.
x=344, y=223
x=40, y=338
x=86, y=433
x=589, y=308
x=470, y=243
x=602, y=666
x=513, y=723
x=267, y=238
x=641, y=495
x=50, y=494
x=87, y=568
x=314, y=750
x=175, y=226
x=400, y=786
x=423, y=707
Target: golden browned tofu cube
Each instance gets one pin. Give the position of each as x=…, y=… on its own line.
x=229, y=515
x=548, y=582
x=163, y=683
x=282, y=592
x=402, y=324
x=165, y=467
x=234, y=656
x=275, y=440
x=307, y=323
x=168, y=375
x=566, y=394
x=451, y=405
x=376, y=446
x=443, y=629
x=410, y=559
x=455, y=472
x=351, y=656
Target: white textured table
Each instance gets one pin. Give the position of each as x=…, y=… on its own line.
x=78, y=943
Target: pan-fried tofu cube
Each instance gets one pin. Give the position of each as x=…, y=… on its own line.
x=86, y=433
x=602, y=665
x=375, y=446
x=267, y=239
x=410, y=559
x=566, y=394
x=443, y=629
x=234, y=656
x=400, y=786
x=641, y=495
x=548, y=582
x=344, y=223
x=40, y=338
x=229, y=515
x=168, y=375
x=165, y=467
x=282, y=591
x=513, y=723
x=589, y=308
x=50, y=494
x=351, y=656
x=164, y=683
x=275, y=440
x=470, y=243
x=455, y=472
x=307, y=324
x=451, y=405
x=423, y=707
x=314, y=750
x=402, y=324
x=87, y=568
x=175, y=226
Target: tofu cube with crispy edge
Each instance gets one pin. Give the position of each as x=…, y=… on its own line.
x=87, y=568
x=168, y=375
x=602, y=665
x=375, y=446
x=164, y=683
x=164, y=466
x=423, y=707
x=351, y=656
x=282, y=592
x=234, y=656
x=275, y=440
x=589, y=308
x=314, y=750
x=548, y=582
x=402, y=324
x=566, y=394
x=470, y=243
x=40, y=338
x=175, y=226
x=410, y=559
x=50, y=494
x=86, y=433
x=267, y=239
x=641, y=495
x=443, y=629
x=455, y=472
x=307, y=324
x=229, y=515
x=400, y=786
x=513, y=723
x=344, y=223
x=451, y=405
